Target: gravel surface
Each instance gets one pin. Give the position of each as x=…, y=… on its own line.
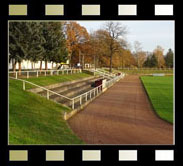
x=122, y=115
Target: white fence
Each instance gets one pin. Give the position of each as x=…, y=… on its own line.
x=47, y=90
x=80, y=99
x=145, y=68
x=38, y=73
x=102, y=72
x=88, y=95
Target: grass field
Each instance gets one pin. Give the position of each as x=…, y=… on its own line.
x=147, y=71
x=142, y=71
x=160, y=92
x=48, y=80
x=36, y=120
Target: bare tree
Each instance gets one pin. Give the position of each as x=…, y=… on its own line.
x=115, y=31
x=138, y=50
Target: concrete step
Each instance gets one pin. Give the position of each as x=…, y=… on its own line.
x=62, y=84
x=77, y=100
x=72, y=92
x=83, y=99
x=64, y=88
x=75, y=85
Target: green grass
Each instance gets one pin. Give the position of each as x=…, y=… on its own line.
x=48, y=80
x=141, y=71
x=36, y=120
x=147, y=71
x=160, y=92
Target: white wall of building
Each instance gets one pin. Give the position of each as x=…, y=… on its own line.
x=26, y=64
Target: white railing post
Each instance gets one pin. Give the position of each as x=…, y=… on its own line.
x=65, y=115
x=23, y=85
x=51, y=72
x=71, y=71
x=27, y=74
x=97, y=90
x=80, y=99
x=67, y=72
x=16, y=75
x=90, y=94
x=72, y=103
x=47, y=94
x=57, y=72
x=94, y=92
x=37, y=74
x=86, y=96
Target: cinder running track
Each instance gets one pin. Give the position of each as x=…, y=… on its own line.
x=121, y=115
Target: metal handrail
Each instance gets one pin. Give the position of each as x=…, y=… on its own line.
x=98, y=88
x=104, y=73
x=41, y=88
x=87, y=92
x=24, y=71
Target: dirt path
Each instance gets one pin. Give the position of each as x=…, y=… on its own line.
x=122, y=115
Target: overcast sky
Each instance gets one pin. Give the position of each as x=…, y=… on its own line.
x=148, y=33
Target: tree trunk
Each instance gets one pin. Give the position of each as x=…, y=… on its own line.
x=79, y=56
x=40, y=65
x=14, y=65
x=19, y=67
x=95, y=62
x=83, y=63
x=110, y=69
x=46, y=65
x=32, y=65
x=70, y=59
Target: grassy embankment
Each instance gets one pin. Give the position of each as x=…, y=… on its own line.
x=142, y=71
x=160, y=92
x=146, y=71
x=48, y=80
x=36, y=120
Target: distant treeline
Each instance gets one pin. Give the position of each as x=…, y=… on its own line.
x=62, y=41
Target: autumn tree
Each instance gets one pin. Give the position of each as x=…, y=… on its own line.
x=127, y=58
x=114, y=31
x=94, y=48
x=158, y=53
x=76, y=37
x=125, y=55
x=101, y=48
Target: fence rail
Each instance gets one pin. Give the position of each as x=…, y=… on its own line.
x=78, y=99
x=37, y=73
x=48, y=91
x=103, y=73
x=126, y=68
